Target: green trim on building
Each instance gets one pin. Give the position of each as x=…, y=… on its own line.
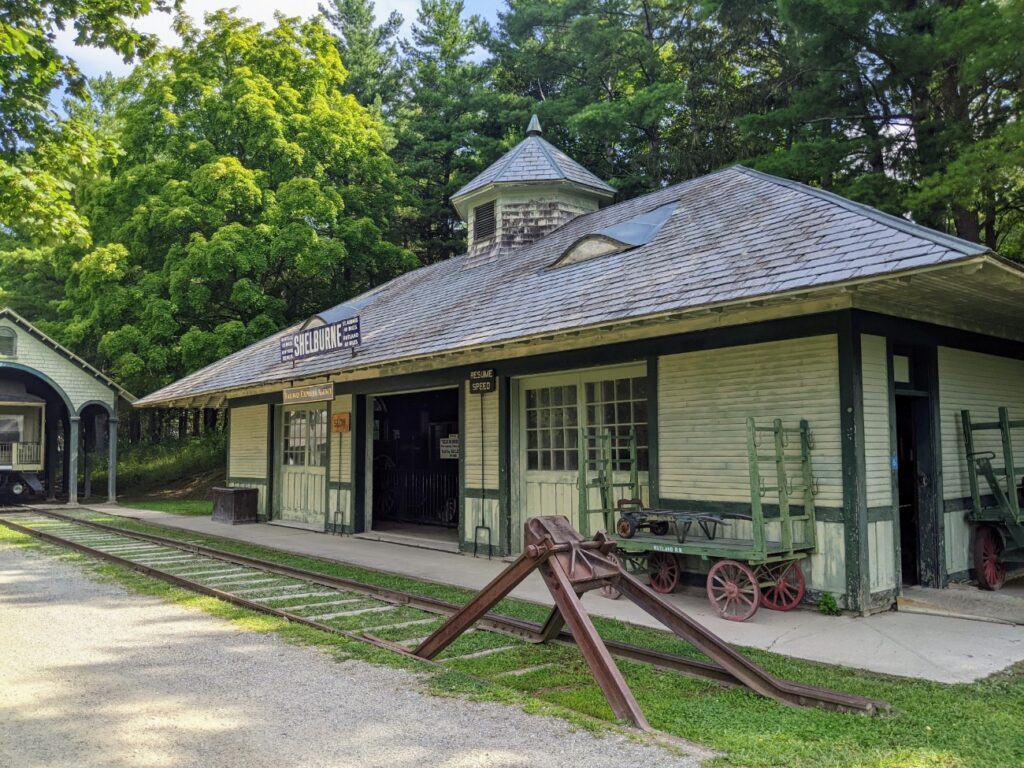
x=851, y=420
x=504, y=465
x=653, y=486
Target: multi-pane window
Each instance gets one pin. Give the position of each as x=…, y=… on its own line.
x=295, y=438
x=552, y=428
x=317, y=437
x=611, y=410
x=305, y=438
x=619, y=407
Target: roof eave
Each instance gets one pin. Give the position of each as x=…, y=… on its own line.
x=62, y=350
x=822, y=291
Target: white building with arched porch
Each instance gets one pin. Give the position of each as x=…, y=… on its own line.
x=56, y=413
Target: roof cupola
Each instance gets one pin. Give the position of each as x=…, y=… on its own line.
x=531, y=190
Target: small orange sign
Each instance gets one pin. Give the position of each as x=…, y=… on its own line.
x=341, y=422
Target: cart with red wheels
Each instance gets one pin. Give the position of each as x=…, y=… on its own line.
x=997, y=517
x=753, y=559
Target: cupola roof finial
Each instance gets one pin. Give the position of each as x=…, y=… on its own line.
x=533, y=129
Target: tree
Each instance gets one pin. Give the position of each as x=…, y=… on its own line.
x=896, y=104
x=368, y=50
x=36, y=148
x=441, y=142
x=639, y=91
x=251, y=193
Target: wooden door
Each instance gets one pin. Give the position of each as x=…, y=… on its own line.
x=303, y=485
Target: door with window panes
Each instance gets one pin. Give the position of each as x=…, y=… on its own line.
x=556, y=413
x=304, y=434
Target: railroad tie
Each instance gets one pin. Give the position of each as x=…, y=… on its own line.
x=401, y=624
x=277, y=598
x=356, y=612
x=481, y=654
x=324, y=604
x=525, y=670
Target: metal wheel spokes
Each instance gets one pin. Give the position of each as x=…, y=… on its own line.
x=625, y=527
x=787, y=589
x=612, y=593
x=733, y=590
x=659, y=528
x=988, y=549
x=663, y=570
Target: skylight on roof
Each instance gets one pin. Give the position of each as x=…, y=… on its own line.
x=623, y=236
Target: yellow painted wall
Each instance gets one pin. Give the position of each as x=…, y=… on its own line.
x=980, y=383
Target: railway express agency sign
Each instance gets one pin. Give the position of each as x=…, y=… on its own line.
x=321, y=340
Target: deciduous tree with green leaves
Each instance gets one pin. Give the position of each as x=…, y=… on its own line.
x=252, y=192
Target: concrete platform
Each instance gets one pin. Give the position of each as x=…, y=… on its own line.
x=940, y=648
x=963, y=601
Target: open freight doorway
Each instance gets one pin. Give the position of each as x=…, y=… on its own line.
x=416, y=464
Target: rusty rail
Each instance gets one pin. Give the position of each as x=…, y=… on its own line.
x=727, y=667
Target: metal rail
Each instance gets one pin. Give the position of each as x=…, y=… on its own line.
x=529, y=631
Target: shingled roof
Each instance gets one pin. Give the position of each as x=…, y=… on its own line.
x=534, y=160
x=734, y=235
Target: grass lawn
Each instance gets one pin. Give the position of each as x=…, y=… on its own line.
x=190, y=507
x=933, y=725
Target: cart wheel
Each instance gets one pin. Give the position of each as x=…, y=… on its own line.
x=663, y=570
x=787, y=589
x=612, y=593
x=626, y=527
x=659, y=528
x=733, y=590
x=988, y=548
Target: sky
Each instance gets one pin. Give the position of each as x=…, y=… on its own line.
x=94, y=61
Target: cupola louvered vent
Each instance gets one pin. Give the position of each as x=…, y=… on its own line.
x=484, y=223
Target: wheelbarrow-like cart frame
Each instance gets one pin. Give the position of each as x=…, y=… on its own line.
x=745, y=573
x=997, y=517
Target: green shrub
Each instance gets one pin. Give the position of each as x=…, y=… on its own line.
x=150, y=466
x=827, y=604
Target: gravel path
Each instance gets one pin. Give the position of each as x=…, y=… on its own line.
x=91, y=675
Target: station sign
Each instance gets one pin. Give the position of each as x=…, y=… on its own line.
x=321, y=340
x=341, y=422
x=482, y=380
x=312, y=394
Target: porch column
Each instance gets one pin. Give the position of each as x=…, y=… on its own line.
x=50, y=448
x=71, y=481
x=112, y=459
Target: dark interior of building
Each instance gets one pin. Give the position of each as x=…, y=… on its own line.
x=416, y=461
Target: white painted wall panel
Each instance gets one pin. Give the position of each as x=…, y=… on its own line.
x=341, y=442
x=705, y=397
x=79, y=385
x=877, y=448
x=980, y=383
x=247, y=452
x=881, y=555
x=481, y=441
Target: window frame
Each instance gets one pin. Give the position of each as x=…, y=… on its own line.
x=12, y=335
x=580, y=379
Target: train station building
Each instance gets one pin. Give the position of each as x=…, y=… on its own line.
x=645, y=348
x=57, y=414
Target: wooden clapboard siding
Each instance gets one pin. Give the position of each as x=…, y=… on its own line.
x=247, y=449
x=877, y=447
x=881, y=555
x=957, y=536
x=341, y=442
x=827, y=570
x=980, y=383
x=78, y=384
x=480, y=448
x=705, y=397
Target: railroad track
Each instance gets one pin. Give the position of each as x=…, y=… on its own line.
x=364, y=612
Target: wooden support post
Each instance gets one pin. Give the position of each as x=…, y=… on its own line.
x=475, y=609
x=594, y=651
